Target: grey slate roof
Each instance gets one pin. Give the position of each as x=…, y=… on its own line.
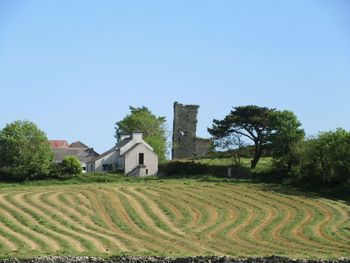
x=77, y=144
x=114, y=148
x=83, y=154
x=103, y=154
x=123, y=143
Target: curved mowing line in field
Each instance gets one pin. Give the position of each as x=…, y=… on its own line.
x=21, y=223
x=176, y=218
x=216, y=205
x=108, y=213
x=270, y=232
x=177, y=230
x=180, y=208
x=298, y=226
x=337, y=224
x=148, y=233
x=97, y=221
x=87, y=223
x=253, y=227
x=289, y=229
x=144, y=220
x=292, y=245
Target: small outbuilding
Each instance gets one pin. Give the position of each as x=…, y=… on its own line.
x=132, y=156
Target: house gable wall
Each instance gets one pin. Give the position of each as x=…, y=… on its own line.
x=150, y=160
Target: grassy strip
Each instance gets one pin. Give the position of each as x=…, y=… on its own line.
x=164, y=208
x=155, y=218
x=160, y=224
x=19, y=243
x=116, y=219
x=77, y=224
x=156, y=241
x=256, y=198
x=50, y=209
x=21, y=223
x=43, y=226
x=300, y=213
x=169, y=197
x=339, y=226
x=102, y=234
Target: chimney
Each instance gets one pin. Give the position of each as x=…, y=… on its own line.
x=137, y=136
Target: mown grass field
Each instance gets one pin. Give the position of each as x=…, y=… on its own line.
x=171, y=217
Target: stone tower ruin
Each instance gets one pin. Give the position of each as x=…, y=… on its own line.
x=185, y=142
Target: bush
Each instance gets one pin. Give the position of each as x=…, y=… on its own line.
x=70, y=167
x=326, y=159
x=175, y=168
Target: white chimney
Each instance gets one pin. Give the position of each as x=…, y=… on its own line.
x=137, y=136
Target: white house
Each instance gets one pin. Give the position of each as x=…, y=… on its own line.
x=132, y=155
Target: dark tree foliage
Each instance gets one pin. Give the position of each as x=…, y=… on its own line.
x=252, y=122
x=25, y=152
x=152, y=127
x=325, y=159
x=285, y=139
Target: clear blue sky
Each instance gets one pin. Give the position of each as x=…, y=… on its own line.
x=74, y=67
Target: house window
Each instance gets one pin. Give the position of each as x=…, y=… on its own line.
x=84, y=168
x=107, y=167
x=91, y=167
x=141, y=158
x=146, y=171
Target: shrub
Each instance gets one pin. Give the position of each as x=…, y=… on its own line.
x=70, y=166
x=175, y=168
x=325, y=159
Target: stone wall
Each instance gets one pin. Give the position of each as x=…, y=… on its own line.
x=199, y=259
x=202, y=146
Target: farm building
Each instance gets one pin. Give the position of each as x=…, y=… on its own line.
x=132, y=155
x=61, y=149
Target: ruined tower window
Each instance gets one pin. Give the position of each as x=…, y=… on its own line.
x=178, y=139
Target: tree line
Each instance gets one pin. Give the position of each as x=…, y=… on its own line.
x=321, y=159
x=325, y=158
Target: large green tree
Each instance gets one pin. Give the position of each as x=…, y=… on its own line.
x=265, y=128
x=252, y=122
x=152, y=127
x=24, y=151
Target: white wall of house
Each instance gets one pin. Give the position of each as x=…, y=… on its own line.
x=109, y=159
x=127, y=158
x=83, y=166
x=150, y=160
